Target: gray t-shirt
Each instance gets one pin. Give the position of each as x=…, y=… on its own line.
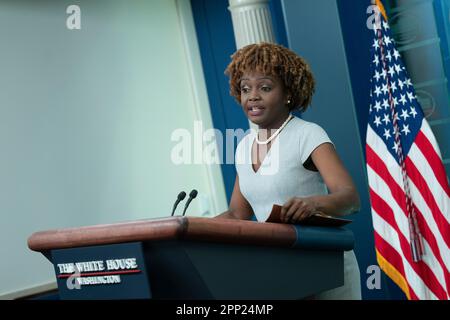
x=283, y=176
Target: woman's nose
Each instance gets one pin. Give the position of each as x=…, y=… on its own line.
x=254, y=95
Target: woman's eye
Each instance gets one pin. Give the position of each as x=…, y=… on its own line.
x=266, y=89
x=244, y=89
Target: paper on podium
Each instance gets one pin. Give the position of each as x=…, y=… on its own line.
x=318, y=219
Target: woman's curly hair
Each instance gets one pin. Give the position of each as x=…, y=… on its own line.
x=273, y=60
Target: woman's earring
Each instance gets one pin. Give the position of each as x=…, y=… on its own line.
x=289, y=101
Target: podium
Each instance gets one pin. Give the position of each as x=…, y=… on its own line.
x=194, y=258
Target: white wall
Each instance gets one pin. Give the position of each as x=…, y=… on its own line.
x=86, y=118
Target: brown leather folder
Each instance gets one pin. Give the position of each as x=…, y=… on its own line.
x=318, y=219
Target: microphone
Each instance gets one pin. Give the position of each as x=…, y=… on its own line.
x=180, y=197
x=192, y=195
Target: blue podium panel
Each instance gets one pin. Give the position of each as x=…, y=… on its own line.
x=224, y=271
x=115, y=271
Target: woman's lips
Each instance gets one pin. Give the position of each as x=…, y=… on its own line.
x=255, y=111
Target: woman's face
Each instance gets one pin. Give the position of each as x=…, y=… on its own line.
x=263, y=99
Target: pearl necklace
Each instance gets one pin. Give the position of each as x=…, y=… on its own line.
x=276, y=132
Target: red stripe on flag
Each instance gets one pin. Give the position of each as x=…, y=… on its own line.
x=433, y=158
x=398, y=194
x=424, y=189
x=422, y=270
x=382, y=171
x=395, y=259
x=432, y=242
x=375, y=162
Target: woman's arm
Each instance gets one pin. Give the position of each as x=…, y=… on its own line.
x=239, y=207
x=343, y=198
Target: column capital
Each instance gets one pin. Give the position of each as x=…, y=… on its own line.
x=246, y=3
x=252, y=22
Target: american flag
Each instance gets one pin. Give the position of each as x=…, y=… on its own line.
x=409, y=189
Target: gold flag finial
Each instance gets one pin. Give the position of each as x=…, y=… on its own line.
x=379, y=4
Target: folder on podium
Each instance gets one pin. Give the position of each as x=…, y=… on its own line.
x=195, y=258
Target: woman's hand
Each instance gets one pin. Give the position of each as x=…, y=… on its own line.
x=297, y=209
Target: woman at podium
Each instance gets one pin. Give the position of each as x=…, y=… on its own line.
x=286, y=160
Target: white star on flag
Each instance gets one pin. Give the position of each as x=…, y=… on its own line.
x=406, y=129
x=376, y=60
x=377, y=91
x=404, y=115
x=388, y=56
x=377, y=105
x=391, y=71
x=377, y=76
x=395, y=147
x=396, y=54
x=408, y=82
x=377, y=121
x=393, y=87
x=403, y=99
x=375, y=44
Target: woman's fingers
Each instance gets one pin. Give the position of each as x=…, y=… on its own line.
x=296, y=209
x=291, y=212
x=285, y=208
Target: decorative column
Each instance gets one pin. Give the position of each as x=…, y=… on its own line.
x=252, y=22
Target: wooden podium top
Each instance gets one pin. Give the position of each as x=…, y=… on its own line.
x=187, y=228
